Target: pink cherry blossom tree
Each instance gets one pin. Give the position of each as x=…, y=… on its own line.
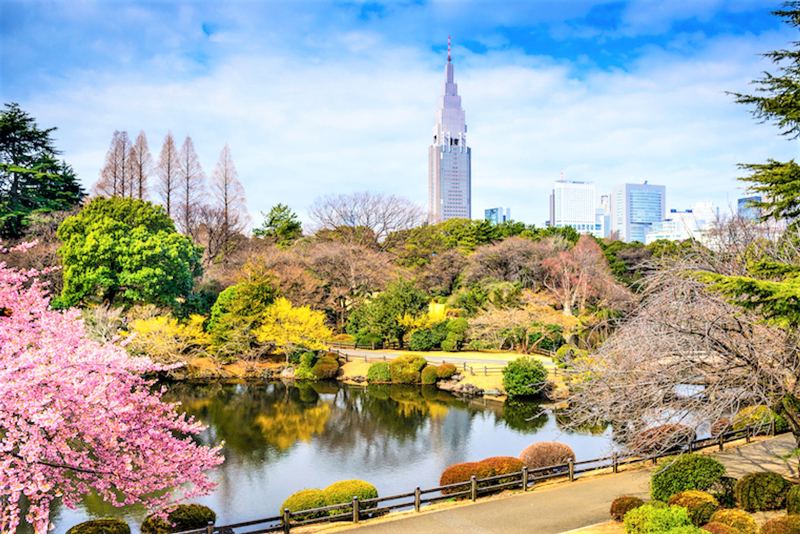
x=77, y=415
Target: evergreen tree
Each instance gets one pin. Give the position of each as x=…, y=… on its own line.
x=282, y=224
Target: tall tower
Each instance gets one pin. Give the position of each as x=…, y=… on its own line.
x=449, y=157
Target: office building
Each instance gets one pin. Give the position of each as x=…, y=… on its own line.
x=497, y=215
x=635, y=208
x=679, y=225
x=744, y=207
x=574, y=204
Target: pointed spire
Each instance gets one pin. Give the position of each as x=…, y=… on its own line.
x=448, y=49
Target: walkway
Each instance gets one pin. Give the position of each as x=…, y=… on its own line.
x=564, y=507
x=454, y=358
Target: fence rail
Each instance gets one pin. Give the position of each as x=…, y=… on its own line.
x=356, y=510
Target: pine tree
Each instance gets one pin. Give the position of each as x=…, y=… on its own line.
x=167, y=174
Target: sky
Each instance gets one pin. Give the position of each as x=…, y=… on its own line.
x=317, y=98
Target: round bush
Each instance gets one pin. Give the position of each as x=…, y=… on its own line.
x=787, y=524
x=306, y=499
x=379, y=372
x=325, y=368
x=343, y=338
x=458, y=473
x=720, y=426
x=686, y=529
x=546, y=454
x=421, y=340
x=344, y=491
x=369, y=338
x=648, y=519
x=687, y=472
x=762, y=491
x=429, y=375
x=622, y=505
x=184, y=517
x=759, y=415
x=307, y=359
x=793, y=501
x=662, y=438
x=719, y=528
x=523, y=377
x=738, y=519
x=499, y=465
x=699, y=504
x=448, y=345
x=101, y=526
x=446, y=370
x=406, y=369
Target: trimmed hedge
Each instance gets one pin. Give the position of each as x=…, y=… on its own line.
x=379, y=372
x=787, y=524
x=101, y=526
x=793, y=501
x=648, y=519
x=738, y=519
x=344, y=491
x=458, y=473
x=759, y=415
x=184, y=517
x=306, y=499
x=463, y=472
x=623, y=505
x=523, y=377
x=421, y=340
x=546, y=454
x=699, y=504
x=429, y=375
x=719, y=528
x=406, y=369
x=325, y=368
x=762, y=491
x=654, y=439
x=446, y=370
x=687, y=472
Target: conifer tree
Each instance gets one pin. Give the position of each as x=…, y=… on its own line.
x=228, y=195
x=167, y=174
x=141, y=163
x=190, y=190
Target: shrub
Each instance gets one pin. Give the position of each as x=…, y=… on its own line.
x=325, y=368
x=344, y=491
x=101, y=526
x=445, y=371
x=421, y=340
x=379, y=372
x=497, y=465
x=449, y=345
x=306, y=499
x=759, y=415
x=663, y=437
x=307, y=359
x=699, y=504
x=719, y=528
x=648, y=519
x=343, y=338
x=566, y=354
x=724, y=491
x=720, y=426
x=762, y=491
x=458, y=473
x=686, y=529
x=184, y=517
x=622, y=505
x=787, y=524
x=369, y=338
x=737, y=519
x=546, y=454
x=687, y=472
x=429, y=375
x=523, y=377
x=406, y=369
x=793, y=501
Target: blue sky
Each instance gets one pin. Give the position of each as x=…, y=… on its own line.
x=325, y=97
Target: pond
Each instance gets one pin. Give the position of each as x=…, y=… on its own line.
x=281, y=438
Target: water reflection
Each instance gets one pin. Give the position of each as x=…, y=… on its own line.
x=282, y=437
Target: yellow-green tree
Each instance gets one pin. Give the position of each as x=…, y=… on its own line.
x=290, y=328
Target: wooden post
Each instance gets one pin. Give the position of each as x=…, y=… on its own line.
x=485, y=372
x=747, y=433
x=384, y=357
x=465, y=366
x=287, y=519
x=355, y=509
x=525, y=478
x=655, y=459
x=690, y=446
x=474, y=488
x=365, y=358
x=772, y=427
x=571, y=469
x=614, y=463
x=346, y=357
x=416, y=499
x=210, y=528
x=373, y=345
x=721, y=441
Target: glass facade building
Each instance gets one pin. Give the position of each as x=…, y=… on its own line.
x=497, y=215
x=744, y=208
x=575, y=204
x=635, y=208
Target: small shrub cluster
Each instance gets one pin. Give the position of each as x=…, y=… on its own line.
x=687, y=472
x=306, y=499
x=737, y=519
x=649, y=519
x=567, y=354
x=446, y=370
x=719, y=528
x=184, y=517
x=429, y=375
x=546, y=454
x=663, y=437
x=369, y=338
x=101, y=526
x=313, y=367
x=699, y=504
x=343, y=338
x=793, y=501
x=463, y=472
x=406, y=369
x=787, y=524
x=762, y=491
x=724, y=490
x=379, y=372
x=759, y=415
x=337, y=493
x=622, y=505
x=523, y=377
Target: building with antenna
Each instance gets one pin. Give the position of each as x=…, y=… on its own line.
x=449, y=157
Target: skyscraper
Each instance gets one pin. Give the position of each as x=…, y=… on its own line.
x=449, y=157
x=574, y=204
x=634, y=209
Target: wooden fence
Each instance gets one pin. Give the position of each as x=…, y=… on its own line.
x=355, y=510
x=464, y=366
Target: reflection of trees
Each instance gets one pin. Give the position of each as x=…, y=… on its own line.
x=564, y=423
x=524, y=416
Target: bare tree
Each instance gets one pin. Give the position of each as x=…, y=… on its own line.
x=115, y=175
x=380, y=213
x=228, y=194
x=190, y=192
x=167, y=174
x=141, y=165
x=514, y=259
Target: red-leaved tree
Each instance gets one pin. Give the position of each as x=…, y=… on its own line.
x=77, y=415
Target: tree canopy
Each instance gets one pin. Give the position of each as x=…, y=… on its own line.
x=282, y=224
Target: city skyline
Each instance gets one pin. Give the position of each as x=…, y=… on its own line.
x=338, y=97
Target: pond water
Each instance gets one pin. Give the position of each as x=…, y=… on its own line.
x=281, y=438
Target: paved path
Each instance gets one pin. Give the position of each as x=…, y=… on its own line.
x=567, y=507
x=439, y=356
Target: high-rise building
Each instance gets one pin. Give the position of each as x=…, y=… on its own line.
x=449, y=157
x=745, y=208
x=497, y=215
x=574, y=204
x=680, y=225
x=635, y=208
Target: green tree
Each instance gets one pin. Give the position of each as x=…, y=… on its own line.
x=282, y=224
x=125, y=249
x=383, y=313
x=31, y=179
